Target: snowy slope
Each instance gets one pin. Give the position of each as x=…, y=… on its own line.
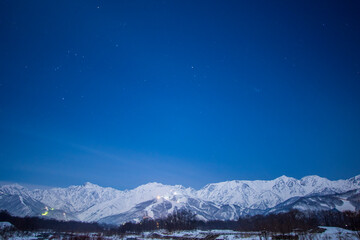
x=128, y=199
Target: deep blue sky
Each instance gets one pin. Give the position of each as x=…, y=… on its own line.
x=121, y=93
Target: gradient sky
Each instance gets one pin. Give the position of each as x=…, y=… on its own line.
x=121, y=93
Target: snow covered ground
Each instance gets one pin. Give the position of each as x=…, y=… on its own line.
x=330, y=233
x=5, y=225
x=338, y=233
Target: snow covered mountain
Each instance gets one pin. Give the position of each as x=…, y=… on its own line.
x=267, y=194
x=225, y=200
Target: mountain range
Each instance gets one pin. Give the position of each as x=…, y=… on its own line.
x=217, y=201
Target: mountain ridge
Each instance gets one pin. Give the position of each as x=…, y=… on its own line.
x=221, y=201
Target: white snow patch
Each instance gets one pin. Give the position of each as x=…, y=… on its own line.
x=334, y=233
x=5, y=225
x=346, y=206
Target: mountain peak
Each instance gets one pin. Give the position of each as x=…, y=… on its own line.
x=151, y=184
x=284, y=178
x=357, y=177
x=313, y=177
x=313, y=180
x=90, y=185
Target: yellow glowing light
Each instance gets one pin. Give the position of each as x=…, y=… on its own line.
x=158, y=197
x=52, y=209
x=45, y=213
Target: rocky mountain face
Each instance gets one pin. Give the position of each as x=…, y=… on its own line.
x=221, y=201
x=348, y=201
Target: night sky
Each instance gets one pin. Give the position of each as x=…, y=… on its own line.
x=121, y=93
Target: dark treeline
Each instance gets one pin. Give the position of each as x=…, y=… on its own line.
x=35, y=223
x=184, y=220
x=299, y=221
x=280, y=223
